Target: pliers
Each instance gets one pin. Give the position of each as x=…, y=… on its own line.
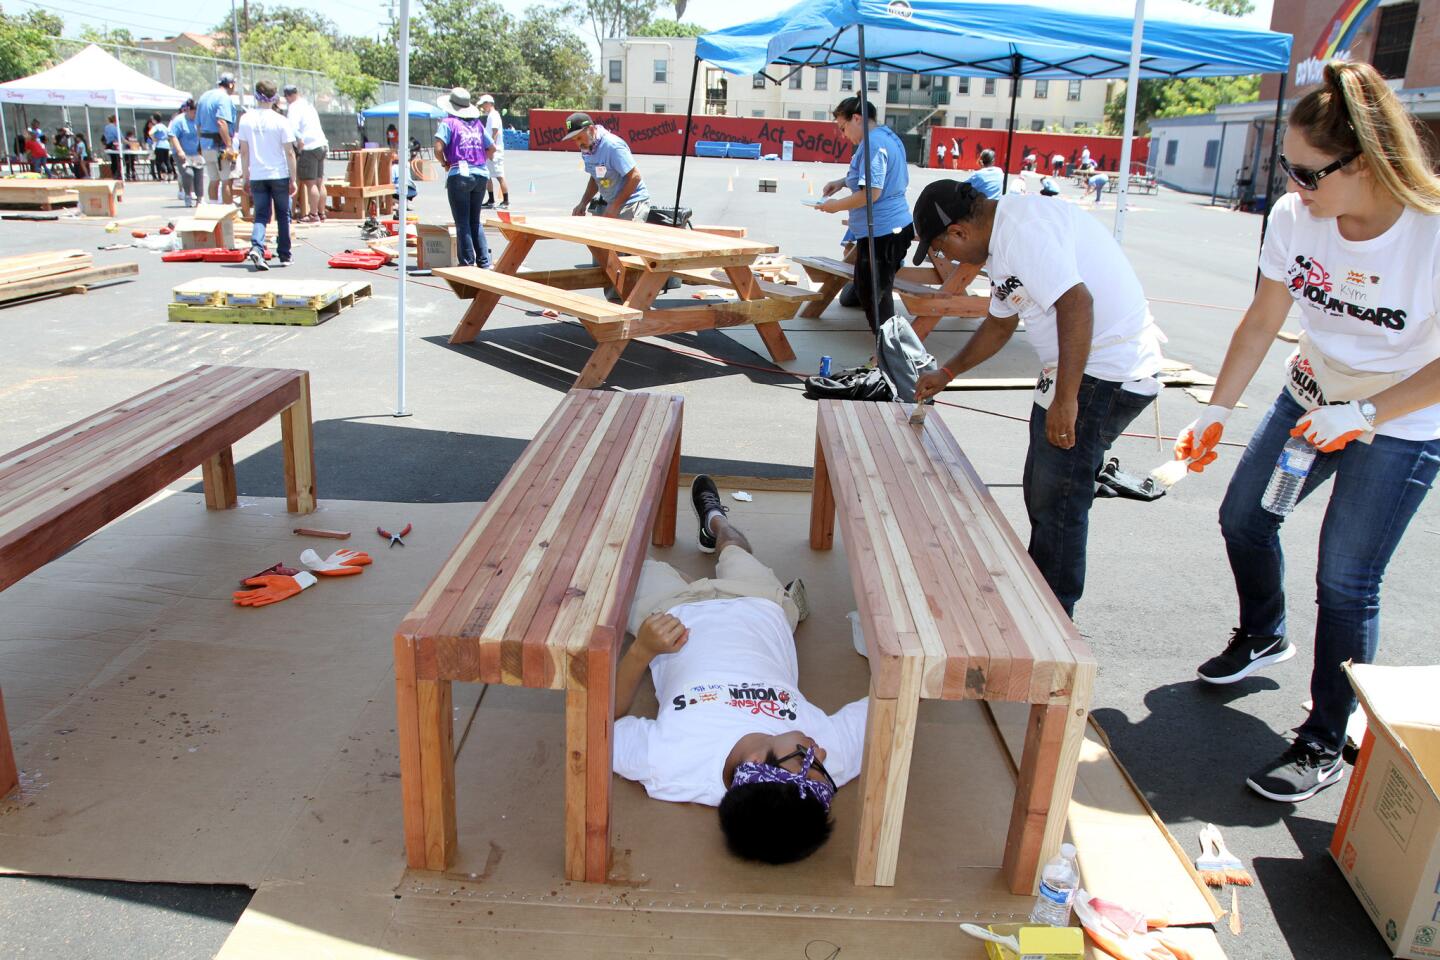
x=396, y=537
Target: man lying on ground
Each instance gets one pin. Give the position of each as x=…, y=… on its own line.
x=733, y=729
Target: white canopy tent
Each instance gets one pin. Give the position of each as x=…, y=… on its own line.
x=91, y=78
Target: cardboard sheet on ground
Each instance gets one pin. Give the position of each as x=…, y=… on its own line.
x=166, y=735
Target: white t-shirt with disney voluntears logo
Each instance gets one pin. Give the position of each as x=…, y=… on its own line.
x=1368, y=304
x=1039, y=249
x=735, y=675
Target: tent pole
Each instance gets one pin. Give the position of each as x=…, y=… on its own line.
x=865, y=173
x=1010, y=127
x=1219, y=156
x=689, y=116
x=1132, y=95
x=5, y=139
x=120, y=138
x=401, y=206
x=1270, y=177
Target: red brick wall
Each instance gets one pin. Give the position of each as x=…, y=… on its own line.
x=1105, y=151
x=1307, y=19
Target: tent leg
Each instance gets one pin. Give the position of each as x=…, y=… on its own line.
x=402, y=205
x=869, y=204
x=689, y=117
x=5, y=139
x=1270, y=177
x=1010, y=127
x=1132, y=97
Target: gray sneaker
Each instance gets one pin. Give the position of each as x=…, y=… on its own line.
x=256, y=256
x=795, y=590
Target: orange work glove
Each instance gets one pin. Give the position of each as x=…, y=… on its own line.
x=1330, y=427
x=272, y=589
x=341, y=563
x=1198, y=441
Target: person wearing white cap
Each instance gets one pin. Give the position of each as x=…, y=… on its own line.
x=495, y=128
x=463, y=146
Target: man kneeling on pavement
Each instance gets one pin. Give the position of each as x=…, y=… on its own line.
x=733, y=729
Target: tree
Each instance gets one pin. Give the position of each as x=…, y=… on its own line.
x=27, y=43
x=111, y=36
x=615, y=18
x=560, y=61
x=669, y=28
x=305, y=48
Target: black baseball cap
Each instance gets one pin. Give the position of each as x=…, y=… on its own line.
x=941, y=204
x=575, y=123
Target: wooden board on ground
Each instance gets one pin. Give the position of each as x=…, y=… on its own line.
x=283, y=308
x=37, y=194
x=72, y=281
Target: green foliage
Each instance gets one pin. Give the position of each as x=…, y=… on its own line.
x=27, y=43
x=615, y=18
x=560, y=61
x=670, y=28
x=118, y=35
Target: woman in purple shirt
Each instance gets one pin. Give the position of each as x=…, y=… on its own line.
x=463, y=146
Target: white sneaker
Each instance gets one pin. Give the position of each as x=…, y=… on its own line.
x=257, y=259
x=857, y=635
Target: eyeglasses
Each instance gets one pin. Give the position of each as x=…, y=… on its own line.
x=807, y=758
x=1308, y=179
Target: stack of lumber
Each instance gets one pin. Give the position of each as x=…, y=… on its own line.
x=775, y=269
x=367, y=181
x=67, y=271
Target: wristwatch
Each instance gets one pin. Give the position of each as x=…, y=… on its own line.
x=1367, y=410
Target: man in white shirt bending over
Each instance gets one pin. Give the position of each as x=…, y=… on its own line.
x=310, y=148
x=733, y=729
x=267, y=171
x=1055, y=267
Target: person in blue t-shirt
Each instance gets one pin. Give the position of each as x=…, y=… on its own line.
x=614, y=177
x=989, y=179
x=185, y=154
x=886, y=180
x=216, y=118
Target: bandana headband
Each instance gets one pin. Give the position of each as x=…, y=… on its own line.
x=752, y=772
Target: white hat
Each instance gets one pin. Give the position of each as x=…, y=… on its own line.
x=487, y=99
x=457, y=104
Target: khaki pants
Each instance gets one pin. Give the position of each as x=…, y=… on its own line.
x=737, y=574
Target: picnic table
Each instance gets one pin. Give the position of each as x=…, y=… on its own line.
x=637, y=260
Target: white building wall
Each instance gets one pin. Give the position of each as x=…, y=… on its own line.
x=1178, y=154
x=971, y=106
x=640, y=60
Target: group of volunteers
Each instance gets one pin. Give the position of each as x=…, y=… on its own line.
x=1355, y=243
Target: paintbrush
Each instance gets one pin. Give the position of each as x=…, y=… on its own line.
x=1235, y=871
x=1208, y=864
x=917, y=415
x=1170, y=473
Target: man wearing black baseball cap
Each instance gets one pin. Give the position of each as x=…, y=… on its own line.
x=1054, y=266
x=611, y=166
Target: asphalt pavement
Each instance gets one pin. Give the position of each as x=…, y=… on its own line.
x=1159, y=598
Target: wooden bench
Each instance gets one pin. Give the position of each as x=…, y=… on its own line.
x=926, y=293
x=40, y=194
x=536, y=594
x=952, y=609
x=718, y=277
x=60, y=489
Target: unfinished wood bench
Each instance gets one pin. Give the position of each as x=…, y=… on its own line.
x=927, y=293
x=953, y=608
x=536, y=594
x=39, y=194
x=60, y=489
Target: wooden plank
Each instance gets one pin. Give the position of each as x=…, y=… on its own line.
x=663, y=532
x=437, y=770
x=597, y=368
x=719, y=278
x=659, y=321
x=884, y=779
x=218, y=478
x=600, y=655
x=650, y=241
x=593, y=309
x=298, y=445
x=822, y=504
x=64, y=281
x=407, y=727
x=744, y=282
x=569, y=278
x=9, y=772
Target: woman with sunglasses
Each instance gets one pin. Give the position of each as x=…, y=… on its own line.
x=1356, y=243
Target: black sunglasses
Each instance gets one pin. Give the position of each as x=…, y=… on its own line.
x=1308, y=179
x=800, y=755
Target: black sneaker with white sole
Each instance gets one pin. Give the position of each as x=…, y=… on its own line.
x=1245, y=654
x=705, y=497
x=1298, y=774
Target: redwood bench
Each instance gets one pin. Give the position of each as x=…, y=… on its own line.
x=536, y=594
x=929, y=293
x=60, y=489
x=952, y=609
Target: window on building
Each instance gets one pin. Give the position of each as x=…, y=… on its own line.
x=847, y=79
x=615, y=71
x=661, y=67
x=792, y=114
x=822, y=78
x=1037, y=125
x=1171, y=149
x=987, y=123
x=795, y=79
x=757, y=82
x=907, y=81
x=1072, y=90
x=1212, y=153
x=962, y=85
x=989, y=86
x=616, y=107
x=872, y=83
x=1042, y=89
x=658, y=108
x=757, y=113
x=960, y=120
x=820, y=115
x=1016, y=89
x=1010, y=123
x=1392, y=39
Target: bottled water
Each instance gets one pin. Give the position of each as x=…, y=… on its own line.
x=1291, y=469
x=1057, y=889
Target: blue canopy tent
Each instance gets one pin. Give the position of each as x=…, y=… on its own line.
x=1016, y=39
x=418, y=108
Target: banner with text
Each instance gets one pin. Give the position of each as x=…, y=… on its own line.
x=969, y=141
x=665, y=133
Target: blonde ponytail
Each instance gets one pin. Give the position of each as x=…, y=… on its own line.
x=1356, y=111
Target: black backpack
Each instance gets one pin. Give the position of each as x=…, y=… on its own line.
x=869, y=384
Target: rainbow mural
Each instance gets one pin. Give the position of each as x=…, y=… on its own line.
x=1341, y=29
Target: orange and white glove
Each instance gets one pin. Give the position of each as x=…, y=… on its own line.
x=1198, y=441
x=272, y=589
x=341, y=563
x=1330, y=427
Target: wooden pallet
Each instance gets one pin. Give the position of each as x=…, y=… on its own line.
x=281, y=313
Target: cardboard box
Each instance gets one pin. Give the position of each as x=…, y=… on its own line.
x=212, y=225
x=1387, y=840
x=435, y=246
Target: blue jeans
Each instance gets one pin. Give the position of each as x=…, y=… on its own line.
x=266, y=193
x=466, y=194
x=1059, y=485
x=1378, y=488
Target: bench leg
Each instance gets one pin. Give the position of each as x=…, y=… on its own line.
x=601, y=362
x=884, y=778
x=218, y=474
x=427, y=765
x=822, y=504
x=923, y=325
x=1043, y=788
x=663, y=534
x=298, y=441
x=473, y=320
x=830, y=287
x=589, y=745
x=775, y=342
x=9, y=773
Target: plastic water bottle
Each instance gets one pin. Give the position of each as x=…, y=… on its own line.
x=1291, y=469
x=1057, y=889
